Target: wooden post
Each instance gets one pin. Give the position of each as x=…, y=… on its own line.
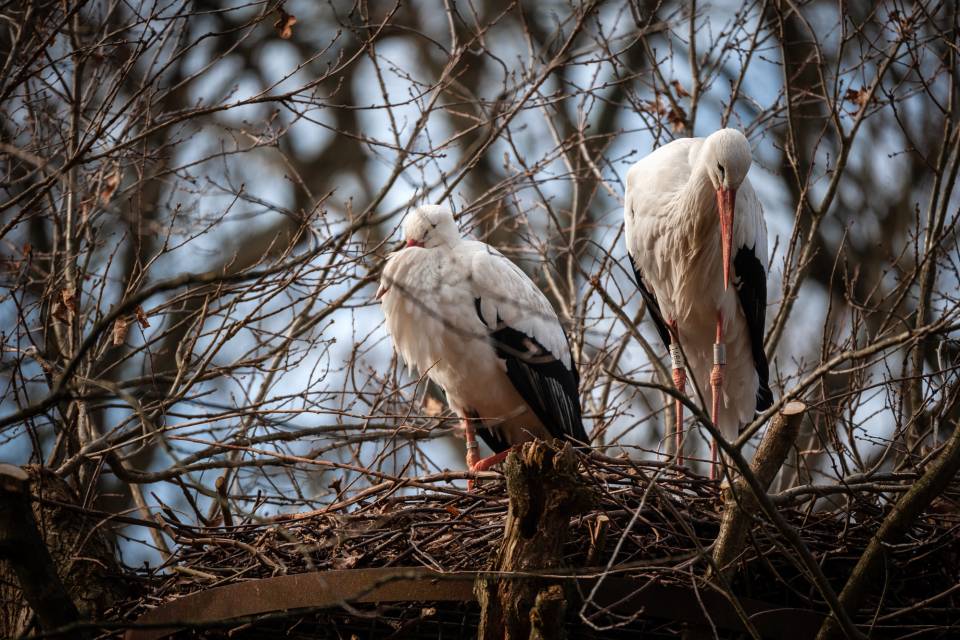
x=22, y=547
x=740, y=502
x=545, y=491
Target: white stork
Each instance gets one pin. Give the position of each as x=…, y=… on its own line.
x=468, y=317
x=689, y=211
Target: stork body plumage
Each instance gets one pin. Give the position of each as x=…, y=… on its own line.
x=698, y=243
x=471, y=320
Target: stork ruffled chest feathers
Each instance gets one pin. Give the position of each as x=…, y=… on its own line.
x=427, y=308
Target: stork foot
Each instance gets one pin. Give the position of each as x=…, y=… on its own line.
x=482, y=464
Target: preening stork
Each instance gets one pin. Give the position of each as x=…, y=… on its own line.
x=694, y=226
x=468, y=317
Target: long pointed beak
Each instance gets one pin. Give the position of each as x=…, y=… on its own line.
x=726, y=203
x=414, y=243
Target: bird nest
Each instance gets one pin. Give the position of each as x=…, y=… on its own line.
x=648, y=532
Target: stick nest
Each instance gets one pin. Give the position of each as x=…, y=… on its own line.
x=649, y=522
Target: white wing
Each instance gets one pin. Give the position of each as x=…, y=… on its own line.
x=652, y=185
x=508, y=295
x=526, y=334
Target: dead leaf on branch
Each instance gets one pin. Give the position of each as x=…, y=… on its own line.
x=348, y=561
x=676, y=116
x=655, y=107
x=120, y=327
x=857, y=96
x=452, y=510
x=141, y=317
x=69, y=298
x=284, y=24
x=678, y=119
x=110, y=184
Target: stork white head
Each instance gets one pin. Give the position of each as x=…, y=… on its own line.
x=430, y=225
x=726, y=158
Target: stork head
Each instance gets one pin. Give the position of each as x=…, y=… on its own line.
x=430, y=225
x=726, y=156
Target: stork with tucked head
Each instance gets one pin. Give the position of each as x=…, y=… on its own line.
x=475, y=324
x=694, y=227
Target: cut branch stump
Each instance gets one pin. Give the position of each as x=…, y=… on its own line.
x=545, y=491
x=740, y=504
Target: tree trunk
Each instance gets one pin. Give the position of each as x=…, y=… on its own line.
x=54, y=561
x=545, y=491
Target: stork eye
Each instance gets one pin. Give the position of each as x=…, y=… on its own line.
x=720, y=169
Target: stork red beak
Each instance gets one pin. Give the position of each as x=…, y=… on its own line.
x=726, y=202
x=414, y=243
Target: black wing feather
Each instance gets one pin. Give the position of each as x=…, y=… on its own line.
x=752, y=291
x=653, y=307
x=492, y=440
x=550, y=389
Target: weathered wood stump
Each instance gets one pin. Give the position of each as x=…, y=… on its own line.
x=545, y=491
x=740, y=503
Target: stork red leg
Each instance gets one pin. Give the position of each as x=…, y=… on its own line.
x=471, y=436
x=473, y=458
x=474, y=461
x=489, y=461
x=716, y=385
x=680, y=382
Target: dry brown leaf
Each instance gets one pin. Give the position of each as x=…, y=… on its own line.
x=110, y=184
x=655, y=107
x=432, y=407
x=120, y=327
x=141, y=317
x=284, y=24
x=681, y=92
x=27, y=249
x=336, y=485
x=857, y=96
x=348, y=561
x=675, y=116
x=677, y=119
x=69, y=298
x=452, y=510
